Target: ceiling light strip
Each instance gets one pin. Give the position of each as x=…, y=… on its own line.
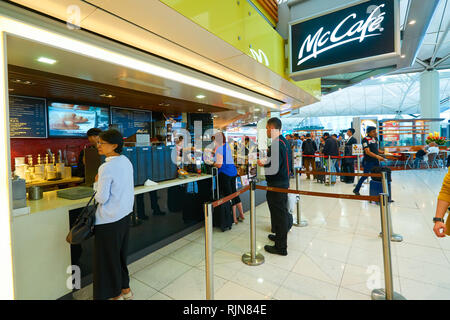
x=59, y=41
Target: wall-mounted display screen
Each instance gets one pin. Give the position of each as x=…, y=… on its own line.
x=27, y=118
x=130, y=121
x=72, y=120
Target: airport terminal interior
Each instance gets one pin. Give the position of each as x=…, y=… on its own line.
x=225, y=150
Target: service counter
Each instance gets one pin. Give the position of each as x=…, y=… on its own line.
x=162, y=214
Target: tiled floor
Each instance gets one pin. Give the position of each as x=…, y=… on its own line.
x=337, y=256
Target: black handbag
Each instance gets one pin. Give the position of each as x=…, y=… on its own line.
x=83, y=227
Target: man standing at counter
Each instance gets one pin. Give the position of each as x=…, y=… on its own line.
x=277, y=175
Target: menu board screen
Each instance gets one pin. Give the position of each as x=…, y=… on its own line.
x=130, y=121
x=72, y=120
x=27, y=118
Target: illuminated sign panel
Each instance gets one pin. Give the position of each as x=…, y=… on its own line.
x=364, y=31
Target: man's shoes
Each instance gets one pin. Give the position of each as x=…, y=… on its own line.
x=356, y=192
x=271, y=237
x=158, y=213
x=275, y=250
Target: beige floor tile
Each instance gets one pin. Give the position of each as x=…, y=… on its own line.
x=159, y=296
x=191, y=286
x=346, y=294
x=328, y=249
x=265, y=278
x=283, y=262
x=141, y=291
x=233, y=291
x=191, y=254
x=144, y=262
x=416, y=290
x=298, y=287
x=161, y=273
x=424, y=272
x=421, y=253
x=320, y=268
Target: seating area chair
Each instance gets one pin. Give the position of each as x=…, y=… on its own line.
x=433, y=160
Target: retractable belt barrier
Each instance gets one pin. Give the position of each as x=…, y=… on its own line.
x=348, y=174
x=253, y=258
x=332, y=157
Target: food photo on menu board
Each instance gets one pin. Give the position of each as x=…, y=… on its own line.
x=73, y=120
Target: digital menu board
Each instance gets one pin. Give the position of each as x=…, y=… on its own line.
x=72, y=120
x=129, y=121
x=27, y=117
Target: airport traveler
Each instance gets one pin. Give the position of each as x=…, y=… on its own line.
x=227, y=174
x=443, y=202
x=309, y=148
x=337, y=161
x=278, y=176
x=371, y=155
x=92, y=135
x=114, y=188
x=348, y=164
x=330, y=149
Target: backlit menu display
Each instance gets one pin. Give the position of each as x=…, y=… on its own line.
x=130, y=121
x=27, y=117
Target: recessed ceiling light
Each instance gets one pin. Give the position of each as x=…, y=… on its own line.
x=29, y=83
x=200, y=96
x=164, y=104
x=46, y=60
x=412, y=22
x=109, y=96
x=200, y=110
x=403, y=56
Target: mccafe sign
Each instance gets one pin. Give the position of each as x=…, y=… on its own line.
x=366, y=31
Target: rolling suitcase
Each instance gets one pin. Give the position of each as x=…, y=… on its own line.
x=320, y=177
x=222, y=215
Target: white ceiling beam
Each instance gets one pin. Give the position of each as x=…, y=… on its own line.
x=441, y=40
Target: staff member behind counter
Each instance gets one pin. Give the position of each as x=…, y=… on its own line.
x=277, y=175
x=371, y=155
x=93, y=137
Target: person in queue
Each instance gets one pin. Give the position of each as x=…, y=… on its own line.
x=443, y=202
x=114, y=188
x=92, y=135
x=309, y=148
x=348, y=164
x=372, y=156
x=337, y=161
x=330, y=149
x=278, y=177
x=227, y=174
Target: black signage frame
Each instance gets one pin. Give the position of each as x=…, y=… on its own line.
x=130, y=109
x=45, y=115
x=336, y=57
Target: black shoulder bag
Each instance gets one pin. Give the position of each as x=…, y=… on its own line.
x=83, y=227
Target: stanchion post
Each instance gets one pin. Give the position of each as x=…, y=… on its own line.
x=209, y=263
x=252, y=258
x=329, y=169
x=300, y=222
x=394, y=236
x=359, y=167
x=388, y=292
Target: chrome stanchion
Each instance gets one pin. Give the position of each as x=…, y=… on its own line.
x=394, y=236
x=388, y=292
x=209, y=263
x=300, y=222
x=252, y=258
x=359, y=168
x=329, y=169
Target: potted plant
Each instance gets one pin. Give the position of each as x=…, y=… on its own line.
x=440, y=141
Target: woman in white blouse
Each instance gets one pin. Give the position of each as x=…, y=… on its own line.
x=114, y=188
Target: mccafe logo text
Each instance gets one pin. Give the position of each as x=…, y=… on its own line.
x=346, y=31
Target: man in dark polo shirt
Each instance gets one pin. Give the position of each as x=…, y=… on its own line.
x=277, y=171
x=371, y=155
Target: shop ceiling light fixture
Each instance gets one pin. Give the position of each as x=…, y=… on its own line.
x=109, y=96
x=412, y=22
x=200, y=96
x=46, y=60
x=52, y=39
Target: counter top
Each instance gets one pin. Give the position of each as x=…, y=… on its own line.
x=46, y=183
x=50, y=201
